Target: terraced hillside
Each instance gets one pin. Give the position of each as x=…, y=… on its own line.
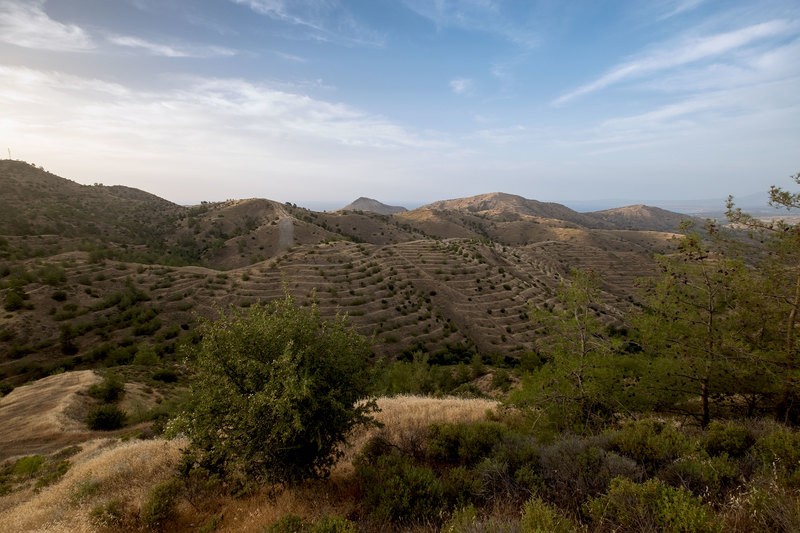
x=452, y=279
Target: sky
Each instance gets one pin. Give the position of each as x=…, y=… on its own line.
x=318, y=102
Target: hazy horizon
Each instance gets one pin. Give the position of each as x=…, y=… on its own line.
x=322, y=101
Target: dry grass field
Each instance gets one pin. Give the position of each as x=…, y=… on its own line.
x=44, y=416
x=109, y=473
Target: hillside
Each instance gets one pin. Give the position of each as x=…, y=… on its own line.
x=36, y=202
x=130, y=272
x=641, y=217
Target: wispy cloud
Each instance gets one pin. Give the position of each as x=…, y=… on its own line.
x=222, y=126
x=684, y=52
x=199, y=108
x=486, y=16
x=165, y=50
x=322, y=20
x=674, y=8
x=25, y=23
x=461, y=85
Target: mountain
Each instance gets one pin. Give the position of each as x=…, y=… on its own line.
x=641, y=217
x=503, y=206
x=373, y=206
x=92, y=275
x=36, y=202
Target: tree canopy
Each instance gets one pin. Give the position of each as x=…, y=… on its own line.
x=277, y=391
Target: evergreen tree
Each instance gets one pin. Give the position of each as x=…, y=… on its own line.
x=690, y=322
x=579, y=386
x=779, y=288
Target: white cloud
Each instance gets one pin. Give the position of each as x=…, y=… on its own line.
x=461, y=85
x=25, y=23
x=322, y=20
x=164, y=50
x=487, y=16
x=180, y=142
x=684, y=52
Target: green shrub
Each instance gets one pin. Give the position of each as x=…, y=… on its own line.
x=395, y=490
x=59, y=296
x=729, y=438
x=166, y=376
x=105, y=418
x=14, y=300
x=650, y=506
x=52, y=472
x=702, y=475
x=541, y=517
x=161, y=504
x=285, y=384
x=466, y=444
x=27, y=466
x=779, y=449
x=462, y=520
x=573, y=469
x=462, y=486
x=146, y=355
x=109, y=390
x=651, y=443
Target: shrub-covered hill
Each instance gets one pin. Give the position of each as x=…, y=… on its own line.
x=92, y=275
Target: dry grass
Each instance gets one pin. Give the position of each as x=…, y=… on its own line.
x=41, y=417
x=107, y=471
x=405, y=418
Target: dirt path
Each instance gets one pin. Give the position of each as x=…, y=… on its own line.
x=35, y=418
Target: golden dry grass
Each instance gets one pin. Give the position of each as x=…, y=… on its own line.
x=405, y=417
x=40, y=417
x=107, y=471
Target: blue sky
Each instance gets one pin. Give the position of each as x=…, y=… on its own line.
x=318, y=102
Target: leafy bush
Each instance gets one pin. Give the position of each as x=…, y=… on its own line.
x=109, y=390
x=105, y=418
x=161, y=504
x=166, y=376
x=651, y=443
x=463, y=443
x=572, y=470
x=702, y=475
x=396, y=490
x=284, y=384
x=729, y=438
x=59, y=296
x=14, y=300
x=541, y=517
x=27, y=466
x=650, y=506
x=780, y=451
